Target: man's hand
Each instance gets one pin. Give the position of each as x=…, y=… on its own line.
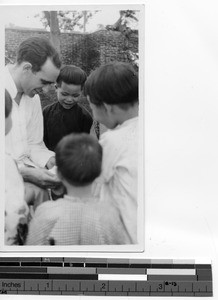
x=40, y=177
x=51, y=162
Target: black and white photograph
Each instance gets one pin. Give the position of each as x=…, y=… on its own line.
x=109, y=149
x=73, y=128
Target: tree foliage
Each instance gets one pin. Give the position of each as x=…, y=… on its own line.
x=124, y=23
x=68, y=20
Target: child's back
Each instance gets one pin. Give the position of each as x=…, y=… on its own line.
x=112, y=91
x=78, y=218
x=73, y=221
x=119, y=172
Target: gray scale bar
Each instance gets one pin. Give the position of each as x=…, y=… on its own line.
x=204, y=278
x=204, y=272
x=139, y=261
x=120, y=271
x=96, y=260
x=74, y=260
x=70, y=270
x=172, y=277
x=52, y=259
x=162, y=261
x=4, y=259
x=23, y=270
x=30, y=259
x=117, y=261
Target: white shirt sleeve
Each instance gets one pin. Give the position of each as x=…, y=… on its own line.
x=16, y=209
x=118, y=181
x=39, y=153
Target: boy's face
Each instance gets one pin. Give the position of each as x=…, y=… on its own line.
x=8, y=124
x=68, y=94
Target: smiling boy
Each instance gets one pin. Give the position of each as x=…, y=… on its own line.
x=66, y=116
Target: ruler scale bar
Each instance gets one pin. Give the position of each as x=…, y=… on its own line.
x=107, y=277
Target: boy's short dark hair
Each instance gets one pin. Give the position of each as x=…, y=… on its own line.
x=36, y=50
x=113, y=83
x=8, y=104
x=79, y=159
x=71, y=74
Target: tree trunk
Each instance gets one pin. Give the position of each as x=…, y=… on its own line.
x=84, y=20
x=55, y=31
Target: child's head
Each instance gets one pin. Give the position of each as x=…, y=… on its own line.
x=113, y=84
x=70, y=83
x=8, y=108
x=79, y=159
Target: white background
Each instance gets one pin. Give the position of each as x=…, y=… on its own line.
x=181, y=124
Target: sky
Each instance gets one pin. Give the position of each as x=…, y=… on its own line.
x=24, y=16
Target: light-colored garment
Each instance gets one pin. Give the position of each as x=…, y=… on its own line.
x=25, y=140
x=16, y=209
x=118, y=182
x=75, y=221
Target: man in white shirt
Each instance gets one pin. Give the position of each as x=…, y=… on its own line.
x=36, y=69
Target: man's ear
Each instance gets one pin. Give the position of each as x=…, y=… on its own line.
x=27, y=67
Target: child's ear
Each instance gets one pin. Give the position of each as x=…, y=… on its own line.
x=27, y=67
x=108, y=108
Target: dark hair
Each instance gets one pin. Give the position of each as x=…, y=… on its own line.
x=79, y=158
x=8, y=104
x=36, y=50
x=113, y=83
x=71, y=74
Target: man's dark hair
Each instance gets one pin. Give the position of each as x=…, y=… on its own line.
x=36, y=50
x=113, y=83
x=71, y=74
x=79, y=158
x=8, y=104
